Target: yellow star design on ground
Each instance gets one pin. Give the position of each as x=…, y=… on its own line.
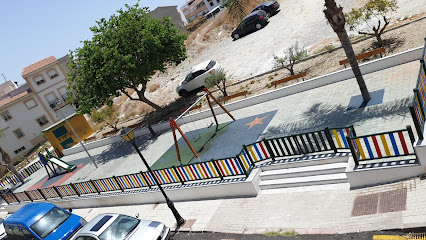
x=256, y=121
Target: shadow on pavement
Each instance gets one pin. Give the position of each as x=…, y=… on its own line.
x=320, y=116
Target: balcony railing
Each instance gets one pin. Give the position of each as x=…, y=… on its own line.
x=54, y=103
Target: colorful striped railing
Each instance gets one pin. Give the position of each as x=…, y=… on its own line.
x=24, y=173
x=418, y=105
x=382, y=145
x=333, y=139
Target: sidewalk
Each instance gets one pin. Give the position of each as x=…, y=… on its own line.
x=308, y=210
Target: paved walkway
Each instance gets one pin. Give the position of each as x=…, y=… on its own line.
x=319, y=209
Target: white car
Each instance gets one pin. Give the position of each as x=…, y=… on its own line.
x=2, y=231
x=195, y=78
x=112, y=226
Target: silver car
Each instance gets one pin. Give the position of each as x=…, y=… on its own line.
x=195, y=78
x=111, y=226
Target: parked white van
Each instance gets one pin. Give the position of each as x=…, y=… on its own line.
x=214, y=11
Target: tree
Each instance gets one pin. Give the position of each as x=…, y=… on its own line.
x=218, y=79
x=371, y=14
x=236, y=9
x=293, y=54
x=108, y=114
x=8, y=163
x=123, y=54
x=336, y=19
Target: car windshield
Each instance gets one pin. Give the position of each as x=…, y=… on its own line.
x=120, y=228
x=49, y=222
x=189, y=77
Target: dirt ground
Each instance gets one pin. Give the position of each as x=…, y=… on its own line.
x=253, y=54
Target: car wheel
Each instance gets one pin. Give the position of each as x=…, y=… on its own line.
x=183, y=93
x=268, y=15
x=236, y=36
x=258, y=26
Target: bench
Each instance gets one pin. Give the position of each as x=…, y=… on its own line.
x=300, y=75
x=90, y=139
x=243, y=93
x=365, y=55
x=109, y=133
x=136, y=125
x=193, y=108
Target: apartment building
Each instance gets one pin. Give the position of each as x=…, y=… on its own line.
x=28, y=109
x=195, y=8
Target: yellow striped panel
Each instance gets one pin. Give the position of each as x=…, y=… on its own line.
x=252, y=153
x=337, y=138
x=213, y=169
x=174, y=174
x=163, y=174
x=201, y=171
x=388, y=237
x=189, y=173
x=385, y=145
x=361, y=151
x=224, y=167
x=244, y=161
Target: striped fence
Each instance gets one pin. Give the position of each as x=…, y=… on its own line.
x=24, y=173
x=369, y=147
x=418, y=105
x=382, y=145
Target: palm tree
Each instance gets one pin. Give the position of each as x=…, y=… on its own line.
x=236, y=9
x=336, y=19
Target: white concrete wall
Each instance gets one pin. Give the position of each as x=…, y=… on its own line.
x=248, y=188
x=369, y=67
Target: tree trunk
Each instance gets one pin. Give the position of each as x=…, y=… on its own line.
x=336, y=19
x=379, y=39
x=350, y=54
x=14, y=171
x=142, y=98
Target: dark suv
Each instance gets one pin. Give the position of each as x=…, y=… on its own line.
x=270, y=7
x=254, y=21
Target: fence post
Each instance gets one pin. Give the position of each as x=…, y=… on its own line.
x=330, y=139
x=42, y=194
x=352, y=148
x=416, y=123
x=423, y=64
x=242, y=166
x=416, y=96
x=352, y=129
x=118, y=183
x=57, y=192
x=248, y=154
x=269, y=148
x=97, y=190
x=178, y=175
x=294, y=137
x=146, y=180
x=217, y=169
x=75, y=190
x=410, y=133
x=28, y=196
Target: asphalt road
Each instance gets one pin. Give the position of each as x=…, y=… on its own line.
x=228, y=236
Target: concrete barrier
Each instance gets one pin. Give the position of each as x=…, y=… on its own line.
x=190, y=192
x=341, y=75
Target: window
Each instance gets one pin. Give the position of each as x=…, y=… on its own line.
x=42, y=120
x=120, y=228
x=19, y=150
x=39, y=80
x=198, y=73
x=212, y=3
x=52, y=74
x=218, y=1
x=18, y=133
x=6, y=116
x=30, y=104
x=49, y=222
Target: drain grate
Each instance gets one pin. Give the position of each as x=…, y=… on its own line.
x=365, y=205
x=393, y=201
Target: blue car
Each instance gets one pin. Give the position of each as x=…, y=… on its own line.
x=42, y=221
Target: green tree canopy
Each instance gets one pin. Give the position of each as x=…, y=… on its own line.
x=371, y=15
x=293, y=54
x=125, y=51
x=215, y=79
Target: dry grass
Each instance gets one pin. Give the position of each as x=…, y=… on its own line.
x=133, y=108
x=153, y=87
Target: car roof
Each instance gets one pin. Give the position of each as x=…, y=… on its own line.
x=214, y=9
x=29, y=214
x=86, y=229
x=253, y=13
x=201, y=66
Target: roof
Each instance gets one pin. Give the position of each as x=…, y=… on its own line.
x=59, y=123
x=11, y=99
x=35, y=66
x=200, y=66
x=29, y=213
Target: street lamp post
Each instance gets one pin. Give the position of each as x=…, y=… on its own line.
x=128, y=135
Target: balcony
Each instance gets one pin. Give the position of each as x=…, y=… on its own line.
x=54, y=103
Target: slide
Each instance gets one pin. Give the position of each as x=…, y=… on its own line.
x=57, y=161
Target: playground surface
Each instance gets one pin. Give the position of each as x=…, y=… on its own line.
x=333, y=105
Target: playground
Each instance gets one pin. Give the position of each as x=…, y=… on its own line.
x=328, y=106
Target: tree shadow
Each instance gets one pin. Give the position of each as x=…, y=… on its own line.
x=391, y=44
x=320, y=116
x=123, y=148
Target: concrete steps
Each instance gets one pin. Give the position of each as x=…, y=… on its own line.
x=304, y=171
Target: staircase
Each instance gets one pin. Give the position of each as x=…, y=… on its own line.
x=304, y=171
